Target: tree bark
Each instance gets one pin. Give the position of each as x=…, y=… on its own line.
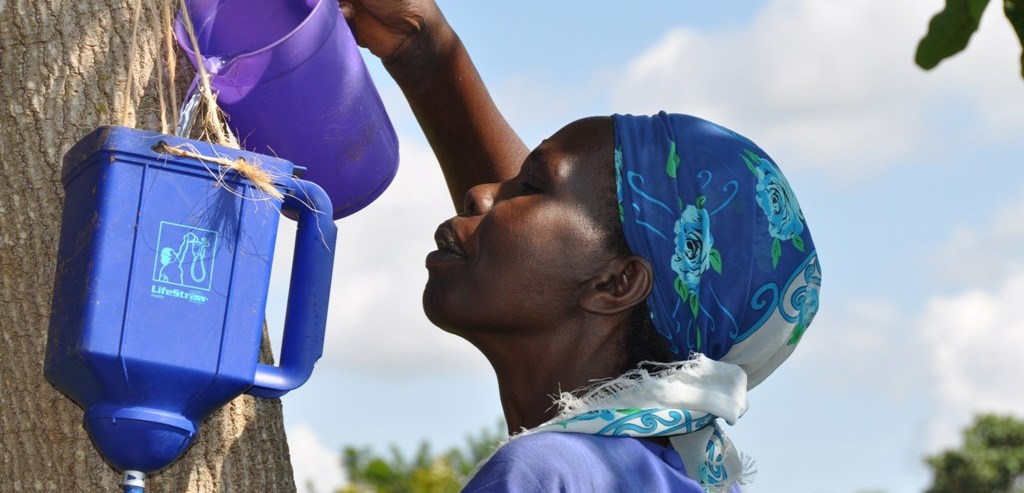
x=63, y=71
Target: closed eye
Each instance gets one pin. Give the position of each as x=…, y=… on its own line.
x=528, y=189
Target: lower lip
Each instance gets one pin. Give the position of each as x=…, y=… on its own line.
x=438, y=257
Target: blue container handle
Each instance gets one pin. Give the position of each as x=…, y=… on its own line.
x=306, y=312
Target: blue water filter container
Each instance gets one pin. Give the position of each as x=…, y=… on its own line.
x=162, y=276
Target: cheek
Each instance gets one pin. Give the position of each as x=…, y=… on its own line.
x=583, y=242
x=520, y=254
x=513, y=250
x=557, y=248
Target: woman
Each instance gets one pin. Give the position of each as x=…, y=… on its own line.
x=664, y=256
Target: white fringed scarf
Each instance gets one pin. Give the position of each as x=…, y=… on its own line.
x=678, y=400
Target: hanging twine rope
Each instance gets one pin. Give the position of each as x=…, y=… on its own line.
x=252, y=171
x=133, y=47
x=212, y=125
x=170, y=62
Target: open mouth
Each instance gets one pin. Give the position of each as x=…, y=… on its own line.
x=447, y=242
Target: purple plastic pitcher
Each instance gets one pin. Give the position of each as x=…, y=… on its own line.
x=293, y=84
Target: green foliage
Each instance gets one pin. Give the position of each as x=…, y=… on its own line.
x=951, y=29
x=991, y=459
x=425, y=472
x=1014, y=10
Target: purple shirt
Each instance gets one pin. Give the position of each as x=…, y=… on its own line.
x=575, y=462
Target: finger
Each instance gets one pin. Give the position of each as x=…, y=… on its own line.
x=351, y=12
x=347, y=10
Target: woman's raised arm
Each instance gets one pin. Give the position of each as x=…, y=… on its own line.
x=470, y=137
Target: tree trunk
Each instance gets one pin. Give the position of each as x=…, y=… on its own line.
x=63, y=71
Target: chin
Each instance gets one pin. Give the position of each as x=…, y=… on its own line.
x=435, y=307
x=448, y=310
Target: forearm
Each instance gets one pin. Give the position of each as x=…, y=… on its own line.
x=470, y=137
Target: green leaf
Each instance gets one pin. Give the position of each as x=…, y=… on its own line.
x=694, y=305
x=977, y=7
x=798, y=243
x=716, y=260
x=700, y=201
x=1014, y=10
x=949, y=31
x=776, y=252
x=696, y=328
x=798, y=332
x=681, y=290
x=750, y=165
x=673, y=160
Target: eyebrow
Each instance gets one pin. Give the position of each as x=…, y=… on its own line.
x=540, y=152
x=537, y=155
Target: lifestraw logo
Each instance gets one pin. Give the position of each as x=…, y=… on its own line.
x=163, y=291
x=184, y=256
x=184, y=262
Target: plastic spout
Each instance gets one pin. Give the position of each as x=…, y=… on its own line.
x=134, y=482
x=139, y=439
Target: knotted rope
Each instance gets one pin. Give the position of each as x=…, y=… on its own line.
x=213, y=128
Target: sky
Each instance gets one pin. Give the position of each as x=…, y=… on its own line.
x=910, y=181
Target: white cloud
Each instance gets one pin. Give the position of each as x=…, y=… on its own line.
x=864, y=341
x=313, y=462
x=832, y=85
x=975, y=340
x=376, y=322
x=985, y=252
x=537, y=105
x=933, y=369
x=974, y=337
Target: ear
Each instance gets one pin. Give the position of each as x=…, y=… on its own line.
x=620, y=285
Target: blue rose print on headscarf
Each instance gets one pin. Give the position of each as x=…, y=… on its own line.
x=776, y=198
x=778, y=203
x=693, y=246
x=618, y=182
x=694, y=252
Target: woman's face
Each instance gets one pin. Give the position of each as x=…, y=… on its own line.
x=518, y=256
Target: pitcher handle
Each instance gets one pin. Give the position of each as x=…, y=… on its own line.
x=306, y=312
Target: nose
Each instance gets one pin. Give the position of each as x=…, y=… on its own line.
x=480, y=199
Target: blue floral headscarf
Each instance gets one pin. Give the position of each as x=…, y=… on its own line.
x=735, y=286
x=724, y=234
